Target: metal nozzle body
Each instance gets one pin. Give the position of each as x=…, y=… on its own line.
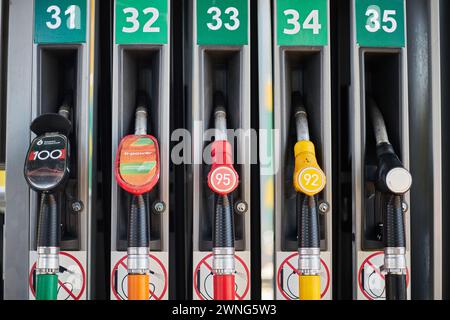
x=301, y=117
x=220, y=124
x=378, y=123
x=141, y=121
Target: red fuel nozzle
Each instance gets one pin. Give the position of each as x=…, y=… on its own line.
x=223, y=178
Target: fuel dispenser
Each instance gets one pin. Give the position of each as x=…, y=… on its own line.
x=219, y=98
x=52, y=80
x=140, y=265
x=380, y=150
x=302, y=113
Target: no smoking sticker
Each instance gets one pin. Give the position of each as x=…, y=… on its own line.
x=71, y=277
x=287, y=278
x=158, y=279
x=371, y=282
x=203, y=279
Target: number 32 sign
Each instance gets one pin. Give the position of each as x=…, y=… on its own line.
x=380, y=23
x=141, y=21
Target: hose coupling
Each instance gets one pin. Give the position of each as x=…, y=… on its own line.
x=223, y=261
x=138, y=260
x=48, y=260
x=309, y=261
x=395, y=260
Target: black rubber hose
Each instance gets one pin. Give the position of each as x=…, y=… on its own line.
x=138, y=224
x=396, y=286
x=308, y=222
x=48, y=233
x=223, y=236
x=394, y=227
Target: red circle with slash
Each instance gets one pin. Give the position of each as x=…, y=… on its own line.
x=377, y=270
x=286, y=261
x=122, y=263
x=62, y=285
x=208, y=266
x=223, y=180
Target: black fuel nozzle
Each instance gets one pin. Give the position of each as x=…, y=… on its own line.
x=392, y=176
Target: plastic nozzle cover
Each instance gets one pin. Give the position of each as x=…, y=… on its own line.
x=224, y=287
x=137, y=166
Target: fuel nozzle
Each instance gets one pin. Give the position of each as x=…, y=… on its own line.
x=394, y=180
x=308, y=176
x=309, y=180
x=222, y=180
x=392, y=176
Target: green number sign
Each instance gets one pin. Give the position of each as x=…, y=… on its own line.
x=302, y=22
x=141, y=21
x=60, y=21
x=222, y=22
x=380, y=23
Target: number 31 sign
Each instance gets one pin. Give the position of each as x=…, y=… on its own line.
x=60, y=21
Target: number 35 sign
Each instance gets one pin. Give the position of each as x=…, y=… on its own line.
x=380, y=23
x=60, y=21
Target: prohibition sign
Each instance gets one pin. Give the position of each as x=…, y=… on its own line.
x=294, y=269
x=369, y=262
x=62, y=284
x=208, y=266
x=152, y=294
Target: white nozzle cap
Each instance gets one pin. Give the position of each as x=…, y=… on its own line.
x=399, y=180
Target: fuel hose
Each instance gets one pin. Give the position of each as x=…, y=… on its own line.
x=394, y=181
x=139, y=225
x=308, y=231
x=48, y=236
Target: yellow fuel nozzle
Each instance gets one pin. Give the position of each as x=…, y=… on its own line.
x=308, y=176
